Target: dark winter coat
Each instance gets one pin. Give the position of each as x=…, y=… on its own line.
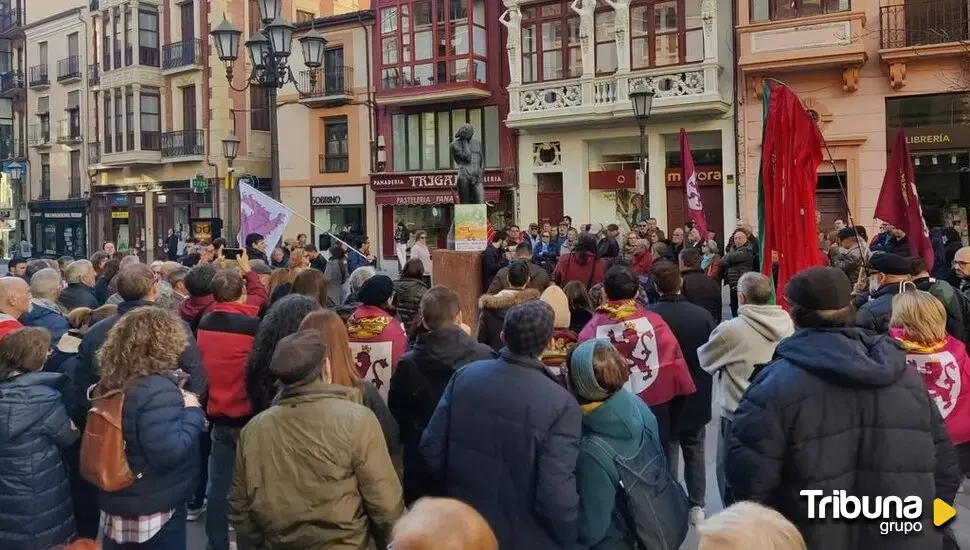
x=956, y=304
x=701, y=290
x=493, y=259
x=162, y=446
x=953, y=244
x=416, y=387
x=35, y=506
x=692, y=326
x=538, y=279
x=254, y=254
x=44, y=315
x=492, y=309
x=739, y=261
x=578, y=319
x=874, y=315
x=77, y=295
x=505, y=440
x=407, y=299
x=608, y=247
x=838, y=409
x=101, y=290
x=892, y=245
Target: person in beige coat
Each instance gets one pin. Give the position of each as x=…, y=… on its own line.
x=313, y=470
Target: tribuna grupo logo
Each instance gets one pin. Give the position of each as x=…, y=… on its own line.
x=895, y=514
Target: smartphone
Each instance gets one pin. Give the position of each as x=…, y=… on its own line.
x=181, y=377
x=231, y=253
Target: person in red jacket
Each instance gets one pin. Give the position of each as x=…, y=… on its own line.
x=658, y=370
x=199, y=284
x=581, y=264
x=225, y=337
x=377, y=338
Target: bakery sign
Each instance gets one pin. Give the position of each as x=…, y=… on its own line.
x=428, y=180
x=337, y=196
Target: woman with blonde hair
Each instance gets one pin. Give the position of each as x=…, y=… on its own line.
x=749, y=526
x=343, y=371
x=918, y=324
x=161, y=426
x=442, y=524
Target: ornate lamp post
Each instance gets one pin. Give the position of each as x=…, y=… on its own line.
x=230, y=149
x=16, y=171
x=269, y=50
x=642, y=100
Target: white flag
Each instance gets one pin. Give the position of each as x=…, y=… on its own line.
x=259, y=213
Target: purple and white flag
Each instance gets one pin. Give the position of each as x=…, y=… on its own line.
x=259, y=213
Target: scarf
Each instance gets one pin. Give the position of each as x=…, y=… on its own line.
x=590, y=407
x=706, y=260
x=619, y=310
x=916, y=347
x=367, y=327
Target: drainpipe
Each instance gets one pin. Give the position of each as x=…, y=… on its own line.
x=91, y=179
x=739, y=148
x=206, y=27
x=371, y=132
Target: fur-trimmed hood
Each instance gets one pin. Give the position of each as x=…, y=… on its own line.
x=505, y=299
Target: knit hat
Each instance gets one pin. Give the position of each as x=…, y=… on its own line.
x=528, y=327
x=819, y=289
x=582, y=373
x=376, y=291
x=298, y=357
x=557, y=300
x=890, y=264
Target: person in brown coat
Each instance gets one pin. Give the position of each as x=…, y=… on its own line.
x=313, y=471
x=538, y=277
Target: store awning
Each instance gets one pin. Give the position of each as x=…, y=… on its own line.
x=418, y=198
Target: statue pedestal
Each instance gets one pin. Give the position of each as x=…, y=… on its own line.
x=461, y=271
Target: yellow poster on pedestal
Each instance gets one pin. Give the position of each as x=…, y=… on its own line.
x=471, y=226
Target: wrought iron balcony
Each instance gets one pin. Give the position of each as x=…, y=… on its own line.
x=332, y=85
x=69, y=130
x=11, y=81
x=334, y=164
x=39, y=135
x=924, y=23
x=181, y=54
x=183, y=143
x=11, y=148
x=10, y=20
x=94, y=75
x=39, y=77
x=94, y=152
x=69, y=69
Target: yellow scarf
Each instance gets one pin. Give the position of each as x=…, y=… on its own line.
x=620, y=310
x=590, y=407
x=922, y=349
x=367, y=327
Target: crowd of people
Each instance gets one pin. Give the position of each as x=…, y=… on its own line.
x=309, y=400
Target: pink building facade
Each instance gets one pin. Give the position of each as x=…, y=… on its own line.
x=864, y=69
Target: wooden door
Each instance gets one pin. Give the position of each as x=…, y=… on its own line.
x=550, y=208
x=831, y=204
x=712, y=199
x=163, y=222
x=187, y=19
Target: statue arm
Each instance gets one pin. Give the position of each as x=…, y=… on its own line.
x=460, y=153
x=575, y=7
x=505, y=18
x=612, y=4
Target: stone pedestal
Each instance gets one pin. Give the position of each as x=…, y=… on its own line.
x=461, y=271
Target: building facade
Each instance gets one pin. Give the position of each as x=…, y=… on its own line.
x=56, y=186
x=13, y=121
x=436, y=69
x=572, y=66
x=864, y=69
x=326, y=152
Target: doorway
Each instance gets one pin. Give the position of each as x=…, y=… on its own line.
x=830, y=201
x=549, y=198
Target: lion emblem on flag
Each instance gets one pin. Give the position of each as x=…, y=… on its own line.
x=942, y=368
x=693, y=195
x=636, y=341
x=373, y=362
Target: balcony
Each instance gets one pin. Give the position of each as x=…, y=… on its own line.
x=69, y=69
x=94, y=76
x=11, y=83
x=326, y=87
x=181, y=56
x=39, y=77
x=11, y=149
x=334, y=164
x=183, y=143
x=924, y=31
x=39, y=135
x=69, y=131
x=833, y=41
x=149, y=153
x=11, y=21
x=94, y=153
x=456, y=85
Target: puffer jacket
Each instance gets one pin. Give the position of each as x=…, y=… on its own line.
x=162, y=446
x=492, y=309
x=874, y=315
x=739, y=261
x=838, y=409
x=407, y=300
x=35, y=507
x=48, y=315
x=348, y=492
x=956, y=304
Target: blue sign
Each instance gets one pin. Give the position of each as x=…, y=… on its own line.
x=119, y=200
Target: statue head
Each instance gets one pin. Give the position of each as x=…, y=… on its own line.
x=465, y=131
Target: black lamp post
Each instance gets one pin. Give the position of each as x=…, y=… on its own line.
x=269, y=50
x=230, y=149
x=16, y=171
x=642, y=100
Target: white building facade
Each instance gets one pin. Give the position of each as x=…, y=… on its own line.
x=572, y=65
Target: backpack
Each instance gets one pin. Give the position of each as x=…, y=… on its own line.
x=651, y=507
x=103, y=460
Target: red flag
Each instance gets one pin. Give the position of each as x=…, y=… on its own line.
x=898, y=202
x=692, y=194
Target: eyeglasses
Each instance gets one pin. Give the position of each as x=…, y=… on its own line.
x=958, y=263
x=545, y=235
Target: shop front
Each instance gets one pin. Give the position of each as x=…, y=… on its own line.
x=334, y=208
x=120, y=219
x=423, y=201
x=59, y=228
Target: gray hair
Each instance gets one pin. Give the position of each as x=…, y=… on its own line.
x=755, y=287
x=127, y=261
x=75, y=271
x=360, y=276
x=46, y=283
x=178, y=275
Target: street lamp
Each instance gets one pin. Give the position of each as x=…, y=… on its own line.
x=16, y=171
x=269, y=50
x=230, y=148
x=642, y=100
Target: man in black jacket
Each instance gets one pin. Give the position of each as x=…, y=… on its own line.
x=422, y=375
x=839, y=410
x=494, y=259
x=317, y=261
x=887, y=273
x=698, y=288
x=692, y=326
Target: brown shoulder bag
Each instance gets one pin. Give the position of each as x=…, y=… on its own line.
x=103, y=459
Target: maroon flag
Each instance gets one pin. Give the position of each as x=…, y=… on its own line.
x=692, y=194
x=899, y=204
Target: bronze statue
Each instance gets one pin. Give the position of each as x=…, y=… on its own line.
x=467, y=153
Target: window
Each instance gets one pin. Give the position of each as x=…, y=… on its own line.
x=42, y=50
x=605, y=41
x=75, y=175
x=550, y=43
x=130, y=118
x=774, y=10
x=336, y=157
x=304, y=16
x=422, y=141
x=45, y=176
x=105, y=43
x=107, y=121
x=44, y=119
x=119, y=123
x=665, y=32
x=72, y=45
x=147, y=37
x=74, y=114
x=116, y=30
x=428, y=42
x=151, y=133
x=259, y=109
x=128, y=44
